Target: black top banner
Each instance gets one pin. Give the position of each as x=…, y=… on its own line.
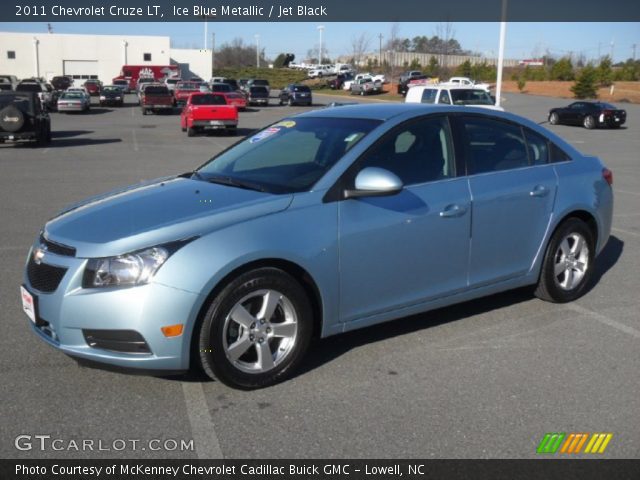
x=315, y=11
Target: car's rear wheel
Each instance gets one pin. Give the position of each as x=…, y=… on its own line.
x=568, y=264
x=554, y=119
x=256, y=330
x=290, y=102
x=589, y=122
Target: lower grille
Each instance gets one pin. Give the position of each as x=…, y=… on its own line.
x=124, y=341
x=43, y=277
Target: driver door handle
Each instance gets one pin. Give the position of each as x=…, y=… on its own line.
x=539, y=191
x=453, y=210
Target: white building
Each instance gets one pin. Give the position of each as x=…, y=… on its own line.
x=93, y=56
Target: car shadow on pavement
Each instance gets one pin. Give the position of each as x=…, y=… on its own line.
x=81, y=142
x=69, y=133
x=326, y=350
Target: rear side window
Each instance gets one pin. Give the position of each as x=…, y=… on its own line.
x=537, y=147
x=429, y=95
x=556, y=154
x=493, y=146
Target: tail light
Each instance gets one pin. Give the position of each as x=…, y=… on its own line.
x=607, y=175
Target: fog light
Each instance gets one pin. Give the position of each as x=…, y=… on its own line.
x=172, y=330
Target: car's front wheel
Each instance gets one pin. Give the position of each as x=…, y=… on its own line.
x=554, y=119
x=256, y=330
x=568, y=263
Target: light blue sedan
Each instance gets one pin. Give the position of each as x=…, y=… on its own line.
x=322, y=223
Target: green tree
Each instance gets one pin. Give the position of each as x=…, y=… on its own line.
x=464, y=69
x=605, y=74
x=433, y=69
x=415, y=65
x=521, y=83
x=585, y=86
x=562, y=70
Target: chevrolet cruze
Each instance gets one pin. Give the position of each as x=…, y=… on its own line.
x=321, y=223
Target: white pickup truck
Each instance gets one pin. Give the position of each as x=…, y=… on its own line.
x=467, y=82
x=377, y=79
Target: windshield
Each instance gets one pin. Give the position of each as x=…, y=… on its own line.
x=156, y=90
x=72, y=96
x=111, y=89
x=220, y=87
x=301, y=88
x=470, y=97
x=260, y=82
x=29, y=87
x=188, y=86
x=172, y=81
x=259, y=90
x=208, y=100
x=289, y=156
x=120, y=82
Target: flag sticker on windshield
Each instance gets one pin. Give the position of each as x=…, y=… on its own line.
x=264, y=134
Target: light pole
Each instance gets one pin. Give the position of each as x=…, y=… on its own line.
x=257, y=50
x=320, y=29
x=503, y=32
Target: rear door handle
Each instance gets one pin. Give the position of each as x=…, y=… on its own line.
x=453, y=211
x=539, y=191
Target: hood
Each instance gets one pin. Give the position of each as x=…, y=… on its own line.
x=157, y=212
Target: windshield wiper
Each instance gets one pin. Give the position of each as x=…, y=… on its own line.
x=234, y=182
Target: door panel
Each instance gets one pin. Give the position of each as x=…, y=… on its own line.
x=399, y=250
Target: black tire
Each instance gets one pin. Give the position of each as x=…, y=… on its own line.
x=11, y=119
x=144, y=111
x=589, y=122
x=232, y=131
x=183, y=129
x=290, y=102
x=362, y=93
x=212, y=356
x=49, y=136
x=548, y=287
x=553, y=118
x=281, y=102
x=191, y=132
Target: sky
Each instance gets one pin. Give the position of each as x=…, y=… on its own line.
x=523, y=40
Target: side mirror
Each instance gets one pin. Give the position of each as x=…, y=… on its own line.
x=374, y=182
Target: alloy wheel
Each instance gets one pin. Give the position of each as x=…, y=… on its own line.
x=571, y=261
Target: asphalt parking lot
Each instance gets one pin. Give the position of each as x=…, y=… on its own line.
x=484, y=379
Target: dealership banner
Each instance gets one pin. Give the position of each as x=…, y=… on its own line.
x=322, y=10
x=318, y=469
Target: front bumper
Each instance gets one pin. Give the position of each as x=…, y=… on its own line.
x=69, y=316
x=31, y=135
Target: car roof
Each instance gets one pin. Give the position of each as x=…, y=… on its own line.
x=387, y=111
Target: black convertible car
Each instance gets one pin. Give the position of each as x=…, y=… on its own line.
x=589, y=115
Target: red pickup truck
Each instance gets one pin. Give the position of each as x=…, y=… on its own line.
x=155, y=98
x=208, y=111
x=183, y=90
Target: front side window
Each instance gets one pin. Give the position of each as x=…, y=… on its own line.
x=493, y=145
x=444, y=97
x=289, y=156
x=418, y=152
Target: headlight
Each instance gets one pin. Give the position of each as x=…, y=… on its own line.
x=136, y=268
x=102, y=97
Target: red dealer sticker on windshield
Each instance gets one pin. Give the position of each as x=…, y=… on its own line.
x=264, y=134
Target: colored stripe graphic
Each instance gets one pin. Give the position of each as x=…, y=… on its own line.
x=598, y=443
x=573, y=443
x=551, y=442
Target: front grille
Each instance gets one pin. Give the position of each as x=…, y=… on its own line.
x=58, y=248
x=43, y=277
x=123, y=341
